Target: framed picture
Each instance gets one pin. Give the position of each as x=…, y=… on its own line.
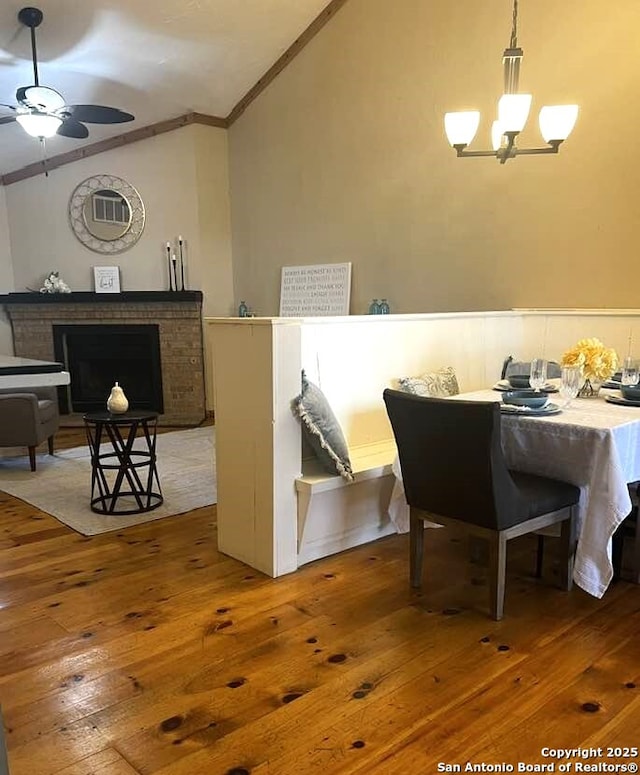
x=107, y=279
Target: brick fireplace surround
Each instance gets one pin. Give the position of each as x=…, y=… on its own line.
x=178, y=315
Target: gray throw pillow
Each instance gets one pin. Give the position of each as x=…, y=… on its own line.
x=323, y=429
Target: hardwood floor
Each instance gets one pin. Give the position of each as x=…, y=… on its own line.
x=147, y=651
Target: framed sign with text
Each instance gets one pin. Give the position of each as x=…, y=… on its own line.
x=316, y=290
x=107, y=279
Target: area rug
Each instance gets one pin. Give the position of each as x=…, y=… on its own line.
x=61, y=484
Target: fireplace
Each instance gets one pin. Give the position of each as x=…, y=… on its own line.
x=96, y=356
x=176, y=391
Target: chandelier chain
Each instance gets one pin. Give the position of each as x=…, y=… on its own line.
x=514, y=26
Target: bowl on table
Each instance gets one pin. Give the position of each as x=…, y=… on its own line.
x=528, y=398
x=519, y=381
x=630, y=392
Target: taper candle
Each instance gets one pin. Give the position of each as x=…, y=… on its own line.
x=630, y=339
x=181, y=263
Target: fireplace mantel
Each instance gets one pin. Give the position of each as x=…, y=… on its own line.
x=89, y=297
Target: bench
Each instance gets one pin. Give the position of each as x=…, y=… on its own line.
x=335, y=514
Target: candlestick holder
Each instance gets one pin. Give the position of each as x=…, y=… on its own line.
x=175, y=271
x=169, y=267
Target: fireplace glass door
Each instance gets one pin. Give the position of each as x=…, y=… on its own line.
x=97, y=356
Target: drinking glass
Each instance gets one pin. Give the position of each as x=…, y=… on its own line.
x=570, y=381
x=630, y=373
x=538, y=376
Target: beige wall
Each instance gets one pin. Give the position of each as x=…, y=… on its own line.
x=181, y=177
x=344, y=158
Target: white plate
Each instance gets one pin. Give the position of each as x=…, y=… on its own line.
x=525, y=411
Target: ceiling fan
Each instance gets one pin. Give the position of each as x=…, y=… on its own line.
x=42, y=111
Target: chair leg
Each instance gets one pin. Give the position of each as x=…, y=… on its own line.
x=32, y=458
x=568, y=549
x=635, y=555
x=497, y=574
x=539, y=556
x=50, y=443
x=416, y=548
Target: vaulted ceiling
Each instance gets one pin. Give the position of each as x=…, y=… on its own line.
x=156, y=59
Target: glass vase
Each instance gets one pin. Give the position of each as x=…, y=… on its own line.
x=590, y=388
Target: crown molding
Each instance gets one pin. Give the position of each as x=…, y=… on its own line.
x=47, y=165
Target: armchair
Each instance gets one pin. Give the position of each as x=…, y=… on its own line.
x=27, y=417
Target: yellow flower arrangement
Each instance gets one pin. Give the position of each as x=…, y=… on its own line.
x=596, y=361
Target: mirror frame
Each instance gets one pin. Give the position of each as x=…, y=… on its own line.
x=76, y=216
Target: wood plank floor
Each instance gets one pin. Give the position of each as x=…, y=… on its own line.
x=147, y=651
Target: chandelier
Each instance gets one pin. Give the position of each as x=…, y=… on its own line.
x=556, y=121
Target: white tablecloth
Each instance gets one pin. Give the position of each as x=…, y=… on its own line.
x=593, y=444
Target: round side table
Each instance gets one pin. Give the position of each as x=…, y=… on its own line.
x=124, y=479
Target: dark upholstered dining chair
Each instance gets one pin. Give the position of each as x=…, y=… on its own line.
x=510, y=367
x=454, y=472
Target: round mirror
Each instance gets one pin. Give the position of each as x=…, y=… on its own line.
x=106, y=214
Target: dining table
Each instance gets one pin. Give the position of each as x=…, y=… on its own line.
x=592, y=443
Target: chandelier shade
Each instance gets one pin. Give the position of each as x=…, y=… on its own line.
x=556, y=121
x=513, y=112
x=461, y=127
x=497, y=135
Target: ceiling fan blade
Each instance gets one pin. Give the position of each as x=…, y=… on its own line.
x=98, y=114
x=72, y=128
x=7, y=119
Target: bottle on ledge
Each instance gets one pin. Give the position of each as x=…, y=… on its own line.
x=384, y=307
x=243, y=310
x=374, y=307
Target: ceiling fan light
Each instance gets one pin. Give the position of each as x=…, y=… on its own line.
x=461, y=127
x=39, y=124
x=557, y=121
x=513, y=111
